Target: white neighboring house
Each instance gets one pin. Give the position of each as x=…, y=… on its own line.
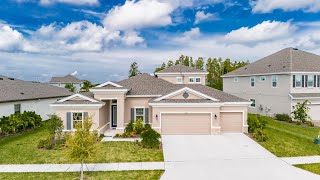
x=276, y=83
x=19, y=96
x=68, y=79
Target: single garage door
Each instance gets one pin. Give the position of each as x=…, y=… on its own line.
x=314, y=112
x=185, y=124
x=231, y=122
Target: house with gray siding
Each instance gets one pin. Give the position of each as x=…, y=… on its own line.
x=276, y=83
x=67, y=79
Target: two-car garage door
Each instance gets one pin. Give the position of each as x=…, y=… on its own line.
x=199, y=123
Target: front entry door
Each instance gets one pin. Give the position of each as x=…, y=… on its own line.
x=113, y=115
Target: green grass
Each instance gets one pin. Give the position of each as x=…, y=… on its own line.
x=145, y=175
x=315, y=168
x=22, y=149
x=288, y=140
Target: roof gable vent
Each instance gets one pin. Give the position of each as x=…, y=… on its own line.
x=11, y=79
x=295, y=48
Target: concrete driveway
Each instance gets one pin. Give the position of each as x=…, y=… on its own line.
x=224, y=157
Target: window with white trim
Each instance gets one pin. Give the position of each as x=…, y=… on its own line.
x=298, y=80
x=235, y=79
x=179, y=80
x=139, y=113
x=77, y=117
x=252, y=81
x=263, y=78
x=191, y=79
x=310, y=81
x=274, y=81
x=198, y=79
x=17, y=108
x=253, y=104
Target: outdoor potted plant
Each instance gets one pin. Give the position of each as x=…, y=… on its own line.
x=317, y=139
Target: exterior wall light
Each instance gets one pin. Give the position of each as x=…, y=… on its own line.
x=215, y=116
x=156, y=116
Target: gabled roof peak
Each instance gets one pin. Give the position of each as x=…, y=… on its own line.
x=179, y=68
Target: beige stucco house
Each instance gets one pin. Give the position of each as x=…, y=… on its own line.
x=173, y=101
x=276, y=83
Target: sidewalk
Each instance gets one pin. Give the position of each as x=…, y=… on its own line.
x=87, y=167
x=302, y=160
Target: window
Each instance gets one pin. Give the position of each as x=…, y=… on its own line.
x=139, y=113
x=310, y=81
x=77, y=118
x=263, y=78
x=274, y=81
x=253, y=104
x=298, y=80
x=252, y=81
x=235, y=79
x=191, y=80
x=179, y=80
x=59, y=85
x=198, y=79
x=17, y=108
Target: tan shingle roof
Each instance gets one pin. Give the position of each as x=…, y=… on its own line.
x=66, y=79
x=18, y=90
x=284, y=61
x=145, y=84
x=181, y=69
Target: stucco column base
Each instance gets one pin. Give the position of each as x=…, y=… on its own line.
x=216, y=130
x=245, y=129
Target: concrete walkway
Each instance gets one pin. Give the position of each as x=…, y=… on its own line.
x=87, y=167
x=302, y=160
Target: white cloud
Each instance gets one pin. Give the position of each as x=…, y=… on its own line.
x=267, y=30
x=75, y=2
x=132, y=38
x=188, y=36
x=266, y=6
x=74, y=73
x=11, y=40
x=139, y=14
x=202, y=16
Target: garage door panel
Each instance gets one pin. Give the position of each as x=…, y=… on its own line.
x=314, y=112
x=184, y=124
x=231, y=122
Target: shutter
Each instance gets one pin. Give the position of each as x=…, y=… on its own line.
x=318, y=81
x=302, y=80
x=85, y=114
x=294, y=81
x=306, y=81
x=314, y=81
x=68, y=120
x=132, y=114
x=146, y=114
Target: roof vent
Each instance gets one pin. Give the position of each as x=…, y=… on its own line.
x=22, y=93
x=245, y=68
x=269, y=65
x=284, y=67
x=295, y=48
x=156, y=76
x=1, y=78
x=11, y=79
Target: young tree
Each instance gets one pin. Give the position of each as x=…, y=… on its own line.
x=199, y=63
x=86, y=86
x=170, y=63
x=83, y=144
x=163, y=66
x=70, y=86
x=300, y=112
x=134, y=69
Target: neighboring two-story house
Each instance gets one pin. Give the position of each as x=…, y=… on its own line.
x=276, y=83
x=68, y=79
x=173, y=101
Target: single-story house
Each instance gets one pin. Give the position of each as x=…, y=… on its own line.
x=173, y=101
x=67, y=79
x=18, y=96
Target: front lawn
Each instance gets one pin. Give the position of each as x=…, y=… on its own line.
x=288, y=140
x=315, y=168
x=147, y=175
x=22, y=149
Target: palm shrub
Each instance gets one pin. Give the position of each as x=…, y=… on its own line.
x=150, y=138
x=138, y=126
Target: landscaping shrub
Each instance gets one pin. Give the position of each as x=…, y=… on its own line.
x=129, y=128
x=19, y=122
x=309, y=123
x=283, y=117
x=257, y=126
x=150, y=139
x=138, y=126
x=46, y=143
x=55, y=124
x=300, y=112
x=256, y=122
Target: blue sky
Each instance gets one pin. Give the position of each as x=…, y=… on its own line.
x=98, y=39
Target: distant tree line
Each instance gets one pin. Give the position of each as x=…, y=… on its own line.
x=216, y=67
